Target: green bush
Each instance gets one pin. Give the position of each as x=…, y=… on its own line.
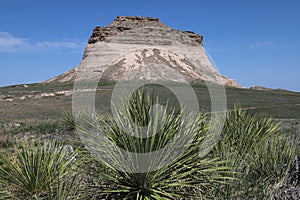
x=187, y=176
x=38, y=170
x=42, y=127
x=68, y=121
x=270, y=163
x=6, y=139
x=258, y=153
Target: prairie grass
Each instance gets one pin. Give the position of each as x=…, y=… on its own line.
x=252, y=156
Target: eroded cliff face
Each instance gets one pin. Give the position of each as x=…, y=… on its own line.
x=125, y=23
x=132, y=46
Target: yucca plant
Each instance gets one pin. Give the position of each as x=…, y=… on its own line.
x=68, y=121
x=38, y=170
x=242, y=134
x=270, y=163
x=186, y=176
x=241, y=131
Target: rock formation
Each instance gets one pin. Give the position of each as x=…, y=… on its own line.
x=261, y=88
x=135, y=48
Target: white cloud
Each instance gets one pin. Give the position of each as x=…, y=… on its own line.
x=9, y=43
x=263, y=44
x=62, y=44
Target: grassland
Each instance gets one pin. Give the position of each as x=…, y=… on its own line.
x=248, y=162
x=274, y=103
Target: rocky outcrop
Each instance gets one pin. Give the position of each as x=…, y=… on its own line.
x=7, y=98
x=125, y=23
x=65, y=77
x=131, y=45
x=259, y=88
x=10, y=98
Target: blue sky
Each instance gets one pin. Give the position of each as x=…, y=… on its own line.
x=255, y=42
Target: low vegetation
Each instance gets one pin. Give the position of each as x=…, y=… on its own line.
x=39, y=171
x=253, y=155
x=273, y=103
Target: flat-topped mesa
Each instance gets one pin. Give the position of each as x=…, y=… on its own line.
x=143, y=48
x=125, y=23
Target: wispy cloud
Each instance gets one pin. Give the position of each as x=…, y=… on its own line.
x=12, y=44
x=62, y=44
x=263, y=44
x=9, y=43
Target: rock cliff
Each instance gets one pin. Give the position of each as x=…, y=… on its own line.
x=133, y=45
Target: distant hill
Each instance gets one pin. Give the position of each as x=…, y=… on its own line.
x=266, y=89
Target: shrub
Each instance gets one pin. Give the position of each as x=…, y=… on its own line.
x=38, y=170
x=187, y=176
x=6, y=139
x=259, y=155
